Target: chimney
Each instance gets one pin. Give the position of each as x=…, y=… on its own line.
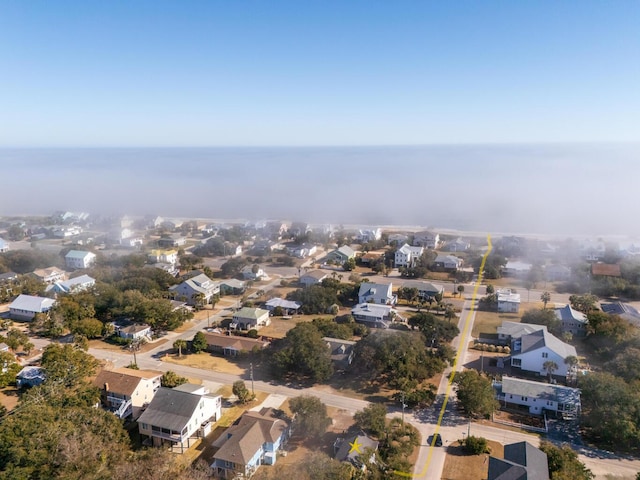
x=106, y=387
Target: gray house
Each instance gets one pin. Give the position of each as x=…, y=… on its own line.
x=522, y=461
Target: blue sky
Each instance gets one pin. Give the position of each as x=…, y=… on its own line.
x=248, y=73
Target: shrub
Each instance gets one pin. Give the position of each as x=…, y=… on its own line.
x=507, y=350
x=491, y=348
x=476, y=445
x=253, y=333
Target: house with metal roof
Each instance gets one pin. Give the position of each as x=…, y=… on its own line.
x=232, y=286
x=25, y=307
x=537, y=396
x=125, y=391
x=77, y=284
x=287, y=306
x=30, y=377
x=247, y=318
x=378, y=293
x=344, y=450
x=508, y=301
x=253, y=440
x=531, y=351
x=522, y=461
x=372, y=315
x=77, y=259
x=175, y=418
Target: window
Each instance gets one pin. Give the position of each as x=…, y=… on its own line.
x=545, y=355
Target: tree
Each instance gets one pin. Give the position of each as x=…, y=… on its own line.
x=372, y=418
x=476, y=445
x=546, y=298
x=66, y=365
x=241, y=391
x=550, y=366
x=179, y=344
x=349, y=265
x=15, y=339
x=311, y=416
x=89, y=327
x=171, y=379
x=475, y=393
x=9, y=368
x=490, y=289
x=564, y=464
x=544, y=317
x=199, y=342
x=584, y=303
x=303, y=353
x=460, y=290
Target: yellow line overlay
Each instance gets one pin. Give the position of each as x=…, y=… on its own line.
x=463, y=341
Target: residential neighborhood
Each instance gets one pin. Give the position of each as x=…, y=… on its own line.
x=244, y=311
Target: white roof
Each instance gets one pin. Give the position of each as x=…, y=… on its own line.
x=279, y=302
x=78, y=254
x=506, y=296
x=372, y=309
x=30, y=303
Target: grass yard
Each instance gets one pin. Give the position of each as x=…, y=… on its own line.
x=205, y=361
x=488, y=322
x=9, y=397
x=279, y=326
x=460, y=466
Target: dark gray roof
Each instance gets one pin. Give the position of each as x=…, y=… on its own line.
x=543, y=391
x=5, y=277
x=170, y=409
x=541, y=338
x=522, y=461
x=346, y=452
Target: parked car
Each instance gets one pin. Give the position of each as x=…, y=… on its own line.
x=437, y=440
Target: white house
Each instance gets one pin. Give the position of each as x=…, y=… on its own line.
x=457, y=245
x=397, y=238
x=79, y=259
x=407, y=256
x=379, y=293
x=509, y=331
x=531, y=351
x=135, y=331
x=537, y=396
x=196, y=290
x=313, y=277
x=508, y=302
x=77, y=284
x=516, y=268
x=372, y=315
x=248, y=318
x=25, y=307
x=426, y=239
x=125, y=391
x=369, y=235
x=163, y=256
x=249, y=274
x=4, y=246
x=50, y=275
x=175, y=416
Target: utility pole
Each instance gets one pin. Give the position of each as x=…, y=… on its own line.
x=251, y=376
x=403, y=405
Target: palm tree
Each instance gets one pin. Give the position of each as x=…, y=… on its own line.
x=179, y=345
x=449, y=312
x=546, y=298
x=550, y=366
x=460, y=290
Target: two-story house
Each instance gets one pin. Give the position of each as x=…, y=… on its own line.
x=49, y=275
x=125, y=391
x=177, y=415
x=77, y=284
x=572, y=321
x=532, y=351
x=379, y=293
x=508, y=302
x=538, y=397
x=426, y=239
x=197, y=290
x=253, y=440
x=407, y=255
x=77, y=259
x=313, y=277
x=249, y=318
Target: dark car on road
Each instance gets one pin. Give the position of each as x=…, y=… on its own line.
x=437, y=440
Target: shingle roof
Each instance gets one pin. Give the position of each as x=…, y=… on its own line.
x=117, y=382
x=541, y=338
x=170, y=409
x=250, y=313
x=380, y=289
x=251, y=431
x=79, y=254
x=567, y=313
x=316, y=274
x=517, y=330
x=544, y=391
x=427, y=287
x=606, y=269
x=233, y=342
x=522, y=461
x=346, y=250
x=347, y=453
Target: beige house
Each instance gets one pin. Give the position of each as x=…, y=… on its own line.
x=125, y=391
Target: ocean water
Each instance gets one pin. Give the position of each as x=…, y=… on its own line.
x=562, y=189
